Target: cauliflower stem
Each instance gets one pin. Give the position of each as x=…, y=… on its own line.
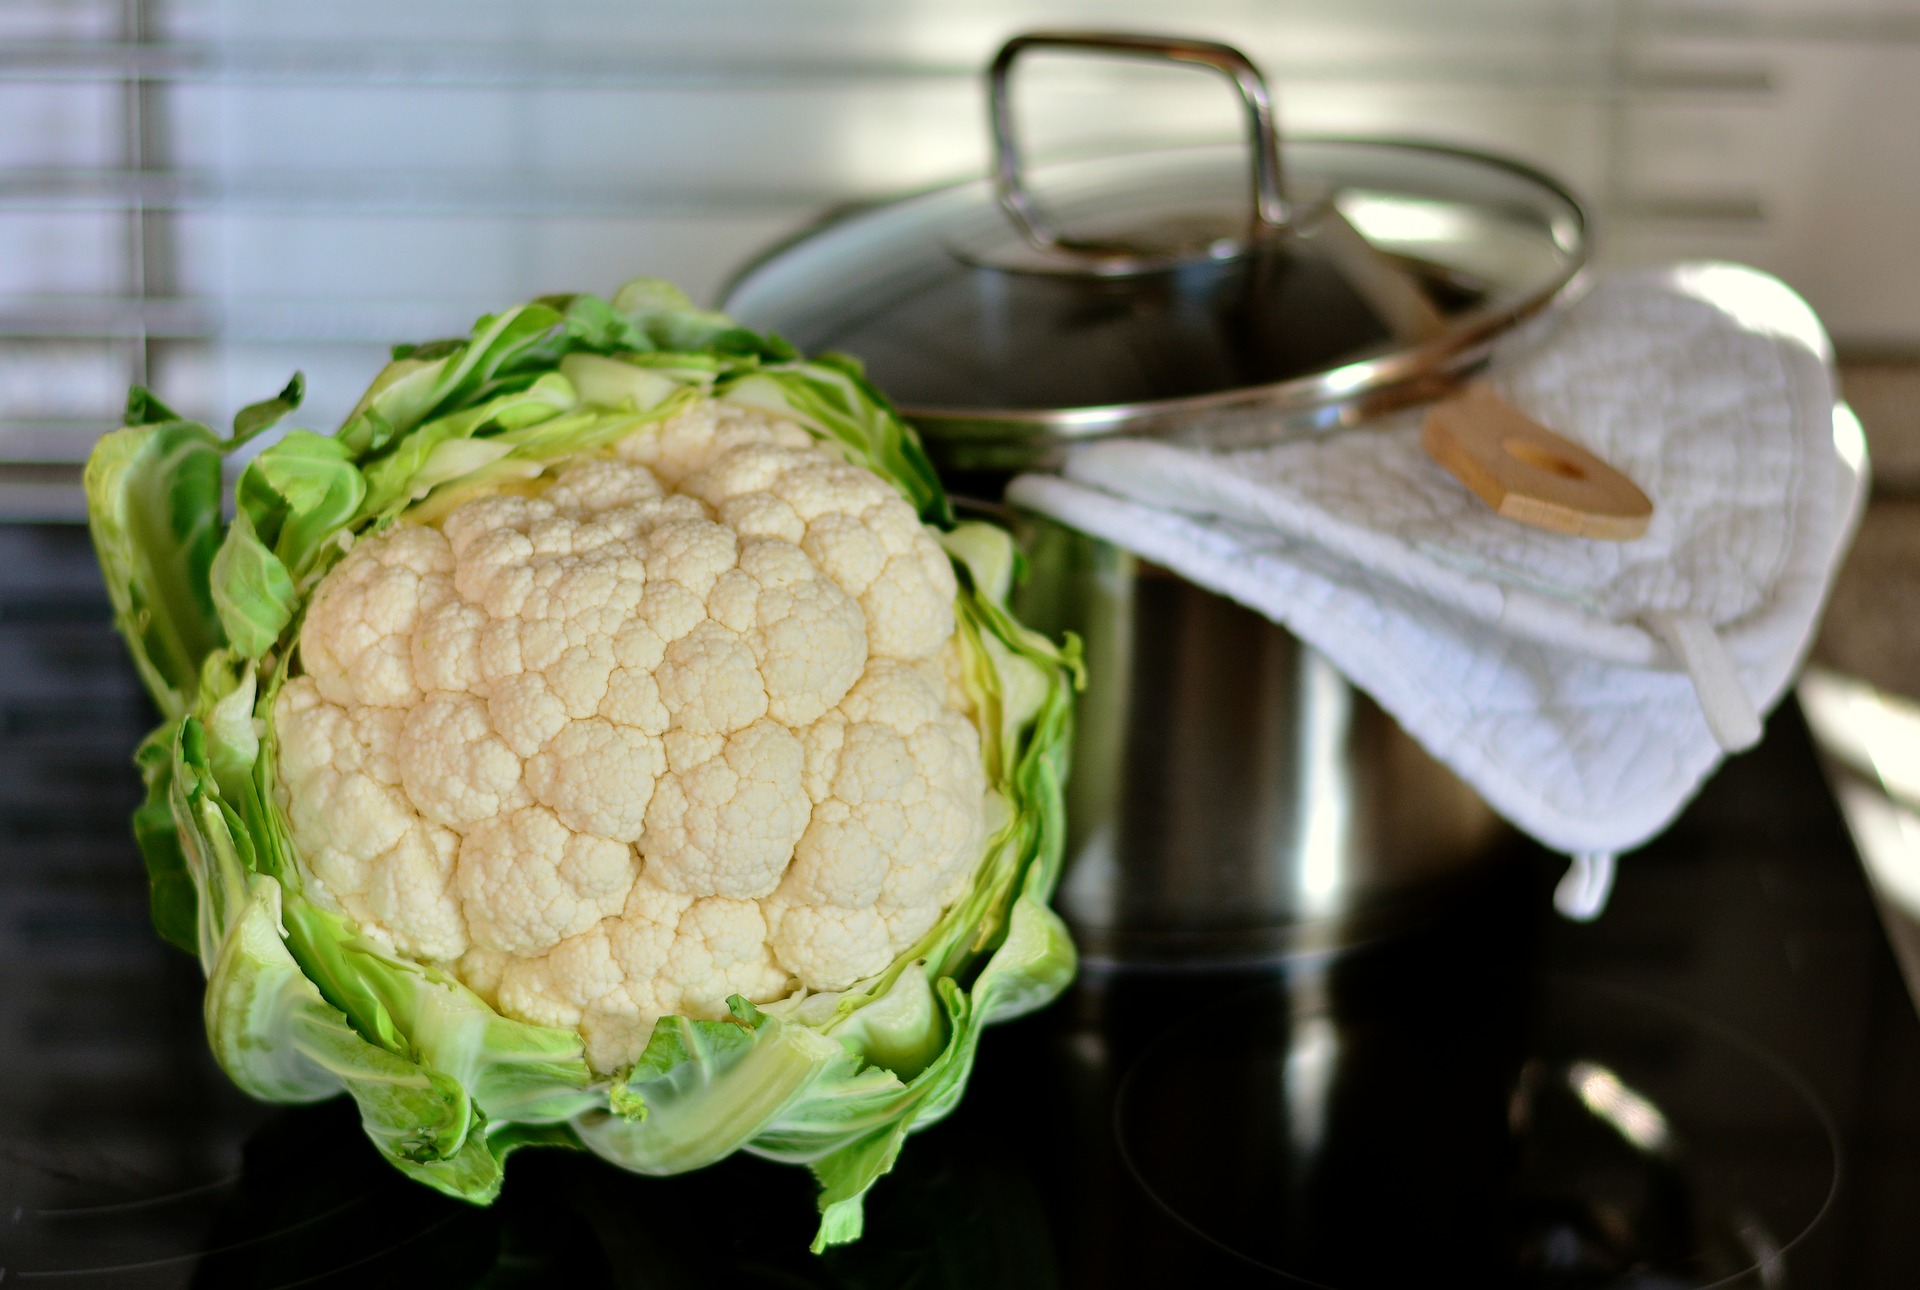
x=607, y=738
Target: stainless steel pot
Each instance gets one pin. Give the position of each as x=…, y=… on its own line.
x=1234, y=798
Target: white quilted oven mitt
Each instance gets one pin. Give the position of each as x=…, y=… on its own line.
x=1584, y=688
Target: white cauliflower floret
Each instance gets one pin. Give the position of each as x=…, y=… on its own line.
x=727, y=825
x=357, y=636
x=898, y=786
x=410, y=893
x=374, y=857
x=457, y=771
x=710, y=682
x=830, y=944
x=556, y=988
x=679, y=955
x=680, y=723
x=599, y=777
x=529, y=881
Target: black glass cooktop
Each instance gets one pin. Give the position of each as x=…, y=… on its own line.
x=1716, y=1084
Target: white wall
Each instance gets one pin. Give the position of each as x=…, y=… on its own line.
x=314, y=181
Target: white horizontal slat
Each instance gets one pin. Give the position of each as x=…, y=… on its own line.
x=66, y=252
x=61, y=125
x=440, y=64
x=310, y=278
x=357, y=192
x=1842, y=22
x=61, y=379
x=51, y=441
x=1513, y=60
x=69, y=20
x=467, y=265
x=27, y=501
x=939, y=29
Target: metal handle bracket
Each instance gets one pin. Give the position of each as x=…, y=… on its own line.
x=1270, y=213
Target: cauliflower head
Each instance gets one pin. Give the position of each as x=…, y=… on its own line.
x=671, y=724
x=607, y=739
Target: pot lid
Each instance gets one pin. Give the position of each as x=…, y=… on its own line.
x=1234, y=292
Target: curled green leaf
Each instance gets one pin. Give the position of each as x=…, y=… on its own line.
x=253, y=593
x=257, y=417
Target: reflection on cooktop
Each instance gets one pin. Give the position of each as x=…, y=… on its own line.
x=304, y=1203
x=312, y=1206
x=1496, y=1098
x=1569, y=1139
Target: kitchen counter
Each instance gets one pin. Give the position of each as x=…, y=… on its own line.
x=1870, y=629
x=1393, y=1110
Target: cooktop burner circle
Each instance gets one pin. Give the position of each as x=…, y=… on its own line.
x=309, y=1202
x=1586, y=1137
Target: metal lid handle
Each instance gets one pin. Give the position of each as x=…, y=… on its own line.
x=1010, y=185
